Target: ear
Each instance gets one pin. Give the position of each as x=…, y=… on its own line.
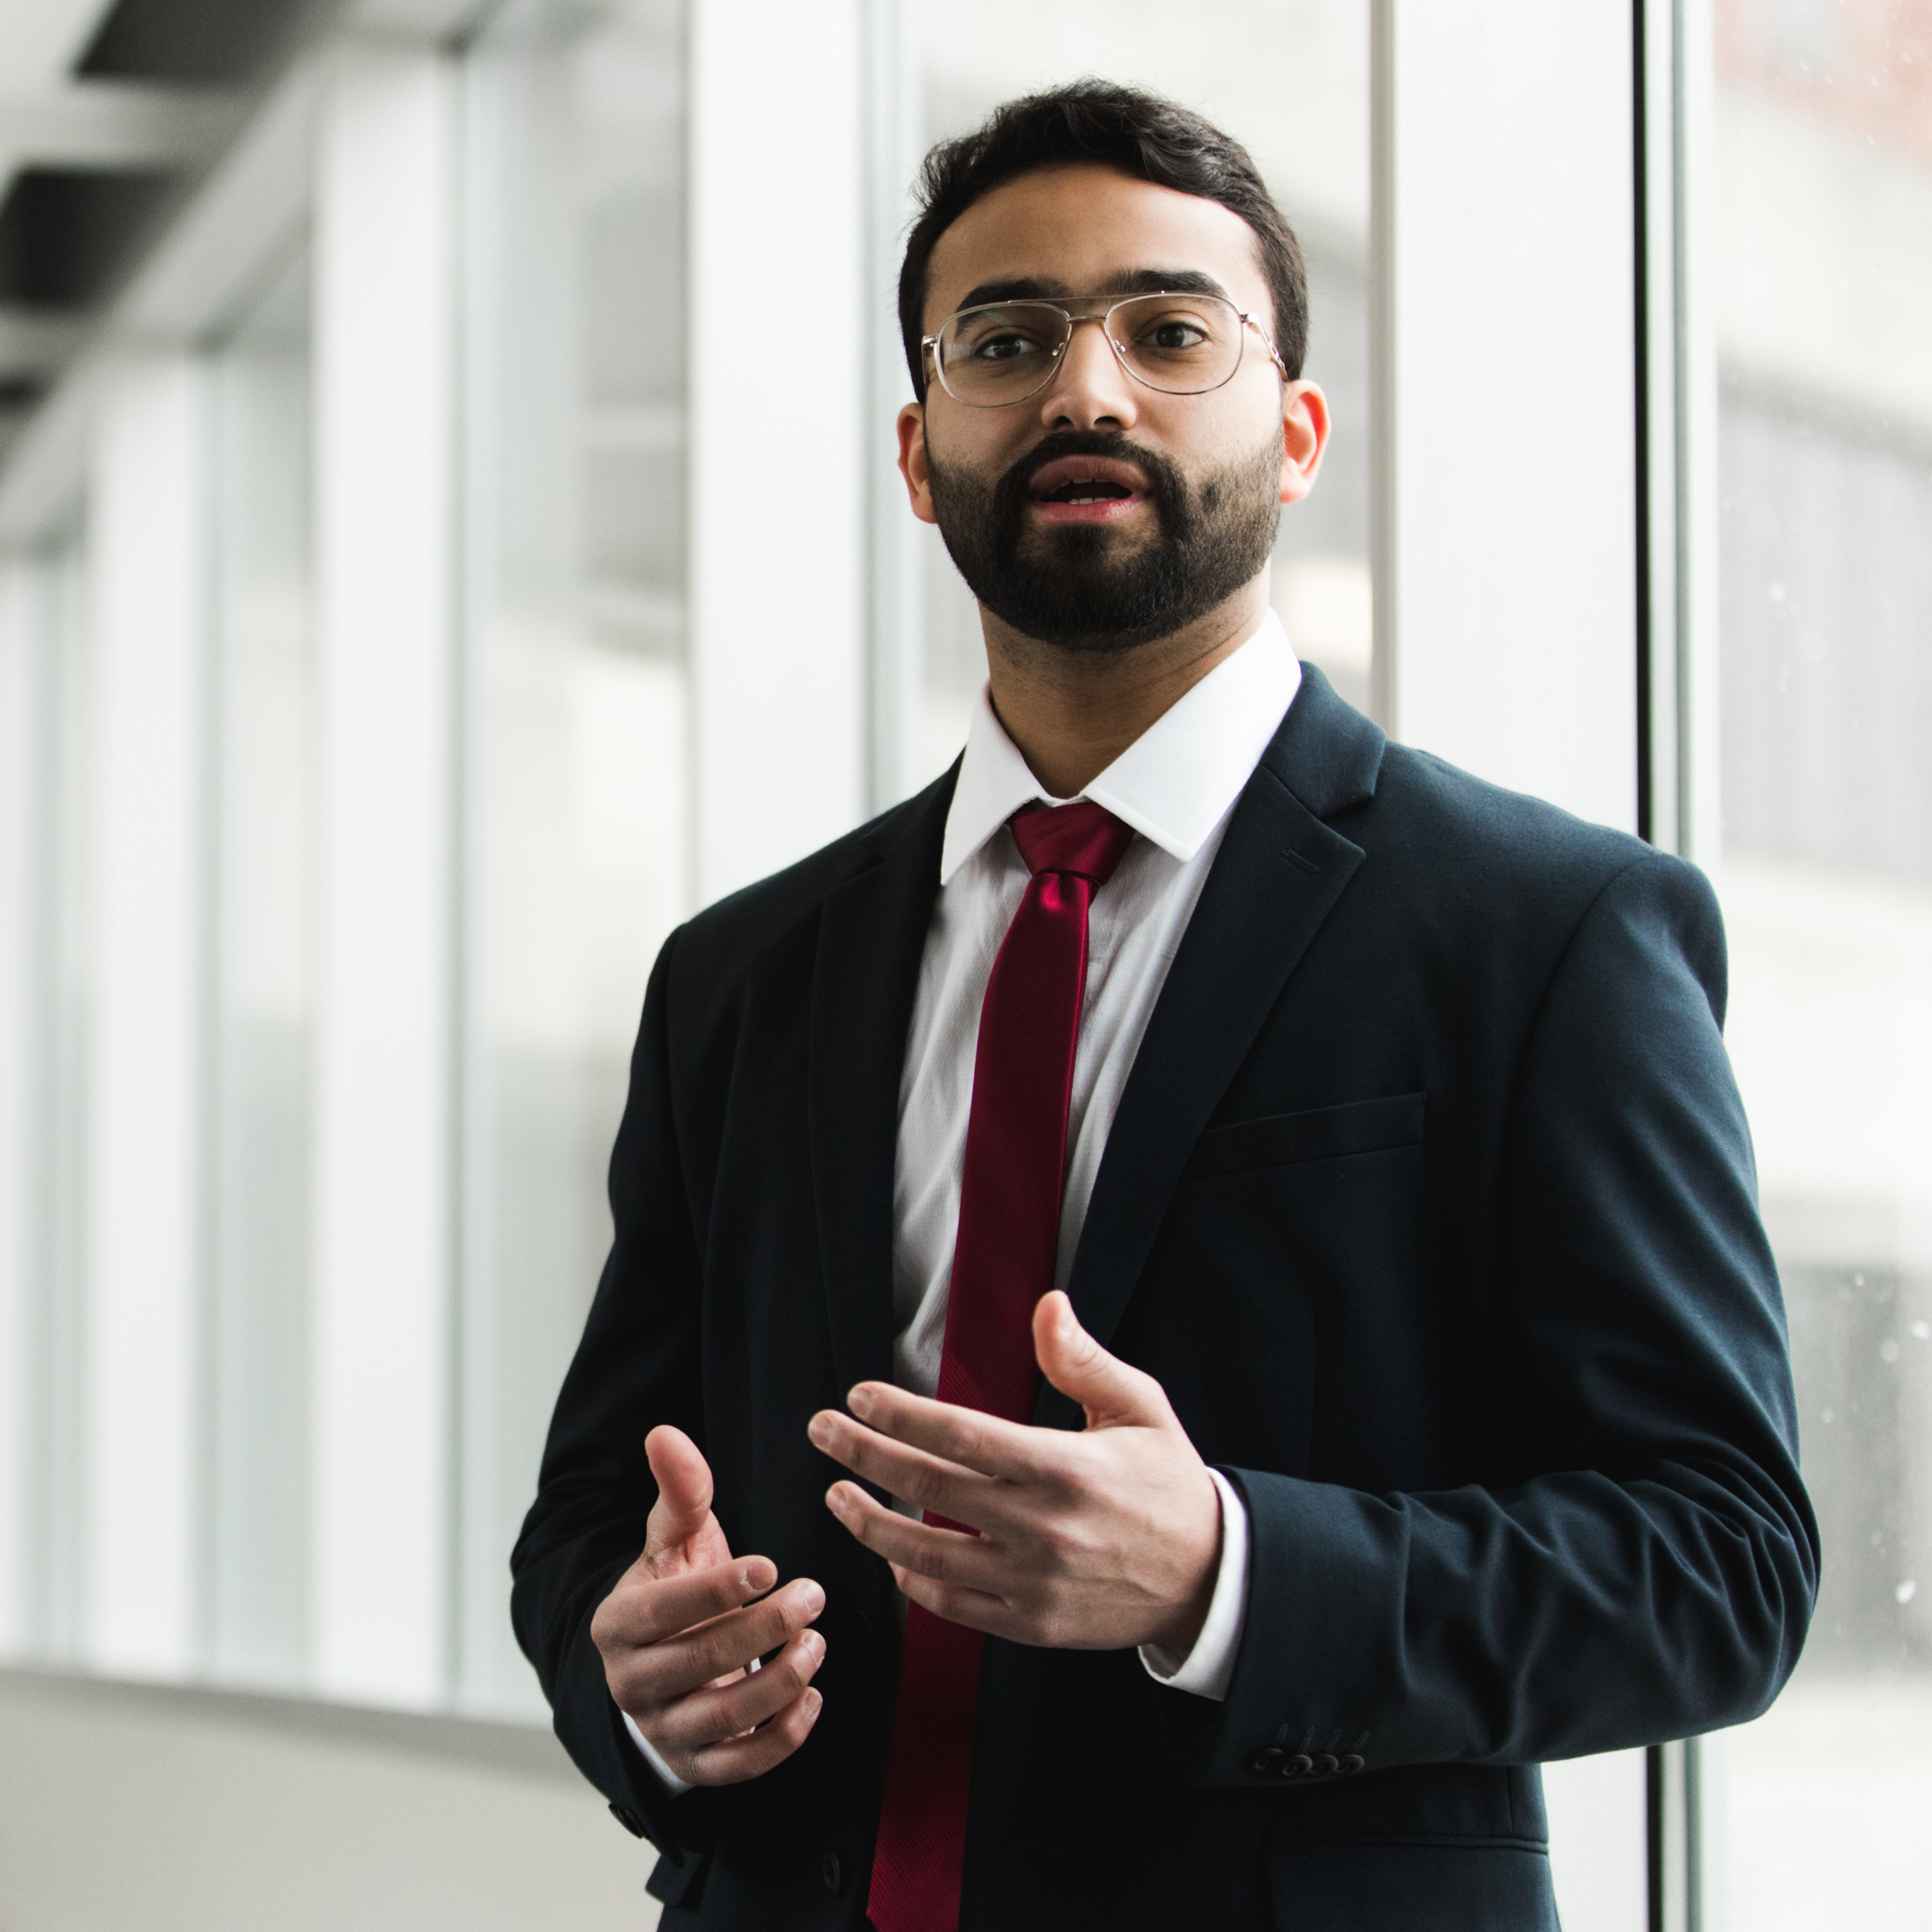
x=912, y=461
x=1304, y=436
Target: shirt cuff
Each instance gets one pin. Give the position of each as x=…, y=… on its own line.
x=1208, y=1669
x=678, y=1787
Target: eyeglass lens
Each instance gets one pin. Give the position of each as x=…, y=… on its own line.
x=1005, y=351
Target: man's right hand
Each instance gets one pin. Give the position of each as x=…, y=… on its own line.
x=679, y=1633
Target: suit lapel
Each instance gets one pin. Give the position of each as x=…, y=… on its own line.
x=871, y=935
x=1279, y=871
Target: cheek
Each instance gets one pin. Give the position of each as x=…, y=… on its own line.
x=968, y=443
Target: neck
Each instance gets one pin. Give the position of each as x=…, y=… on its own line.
x=1072, y=713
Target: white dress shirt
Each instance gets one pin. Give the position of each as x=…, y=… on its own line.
x=1176, y=785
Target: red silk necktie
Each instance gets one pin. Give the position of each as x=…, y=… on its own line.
x=1003, y=1262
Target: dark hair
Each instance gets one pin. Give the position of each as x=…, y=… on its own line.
x=1121, y=127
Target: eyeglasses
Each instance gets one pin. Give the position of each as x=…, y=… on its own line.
x=1000, y=353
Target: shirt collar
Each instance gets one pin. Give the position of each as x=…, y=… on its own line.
x=1175, y=781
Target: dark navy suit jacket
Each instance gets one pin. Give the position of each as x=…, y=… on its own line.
x=1429, y=1202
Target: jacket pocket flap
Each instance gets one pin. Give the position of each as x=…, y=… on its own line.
x=1356, y=1127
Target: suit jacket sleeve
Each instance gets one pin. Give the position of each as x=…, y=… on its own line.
x=637, y=1366
x=1645, y=1564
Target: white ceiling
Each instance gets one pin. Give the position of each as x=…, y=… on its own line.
x=40, y=41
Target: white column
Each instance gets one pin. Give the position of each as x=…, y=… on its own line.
x=1507, y=350
x=146, y=586
x=778, y=210
x=19, y=751
x=380, y=1335
x=1506, y=600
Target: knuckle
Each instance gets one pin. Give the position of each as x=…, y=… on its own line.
x=715, y=1654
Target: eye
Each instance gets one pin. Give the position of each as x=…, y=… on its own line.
x=1002, y=345
x=1179, y=335
x=1174, y=334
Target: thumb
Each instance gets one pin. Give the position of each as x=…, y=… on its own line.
x=683, y=1506
x=1105, y=1386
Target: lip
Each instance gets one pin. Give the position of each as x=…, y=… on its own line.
x=1066, y=469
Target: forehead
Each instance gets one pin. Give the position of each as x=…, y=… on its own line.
x=1082, y=229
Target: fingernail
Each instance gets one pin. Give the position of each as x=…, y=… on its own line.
x=819, y=1429
x=814, y=1646
x=834, y=1499
x=757, y=1576
x=812, y=1701
x=860, y=1401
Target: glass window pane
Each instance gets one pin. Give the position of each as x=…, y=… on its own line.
x=262, y=932
x=578, y=835
x=1227, y=59
x=1824, y=176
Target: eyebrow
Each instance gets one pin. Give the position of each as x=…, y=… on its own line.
x=1125, y=282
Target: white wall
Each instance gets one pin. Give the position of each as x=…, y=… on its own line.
x=778, y=501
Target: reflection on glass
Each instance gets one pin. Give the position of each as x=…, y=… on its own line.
x=264, y=716
x=1824, y=146
x=1289, y=79
x=576, y=808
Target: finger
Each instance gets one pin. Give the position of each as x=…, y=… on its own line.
x=977, y=1610
x=987, y=1445
x=683, y=1478
x=930, y=1482
x=707, y=1717
x=650, y=1609
x=648, y=1678
x=1076, y=1365
x=737, y=1759
x=952, y=1555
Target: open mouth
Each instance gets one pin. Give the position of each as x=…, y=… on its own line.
x=1087, y=489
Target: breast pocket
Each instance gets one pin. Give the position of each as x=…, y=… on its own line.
x=1316, y=1133
x=1296, y=1247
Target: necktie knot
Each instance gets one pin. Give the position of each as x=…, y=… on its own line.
x=1083, y=838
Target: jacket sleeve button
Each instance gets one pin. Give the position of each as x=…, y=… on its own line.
x=831, y=1871
x=1298, y=1766
x=1351, y=1764
x=1265, y=1760
x=1326, y=1765
x=629, y=1820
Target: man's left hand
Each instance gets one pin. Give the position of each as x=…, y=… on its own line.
x=1100, y=1540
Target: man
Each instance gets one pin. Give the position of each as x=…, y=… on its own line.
x=1278, y=1206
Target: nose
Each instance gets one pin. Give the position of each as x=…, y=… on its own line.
x=1089, y=390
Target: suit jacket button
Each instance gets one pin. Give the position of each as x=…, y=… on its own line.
x=1265, y=1760
x=1326, y=1765
x=629, y=1820
x=1350, y=1765
x=1297, y=1766
x=831, y=1870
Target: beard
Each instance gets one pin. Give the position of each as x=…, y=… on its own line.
x=1084, y=589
